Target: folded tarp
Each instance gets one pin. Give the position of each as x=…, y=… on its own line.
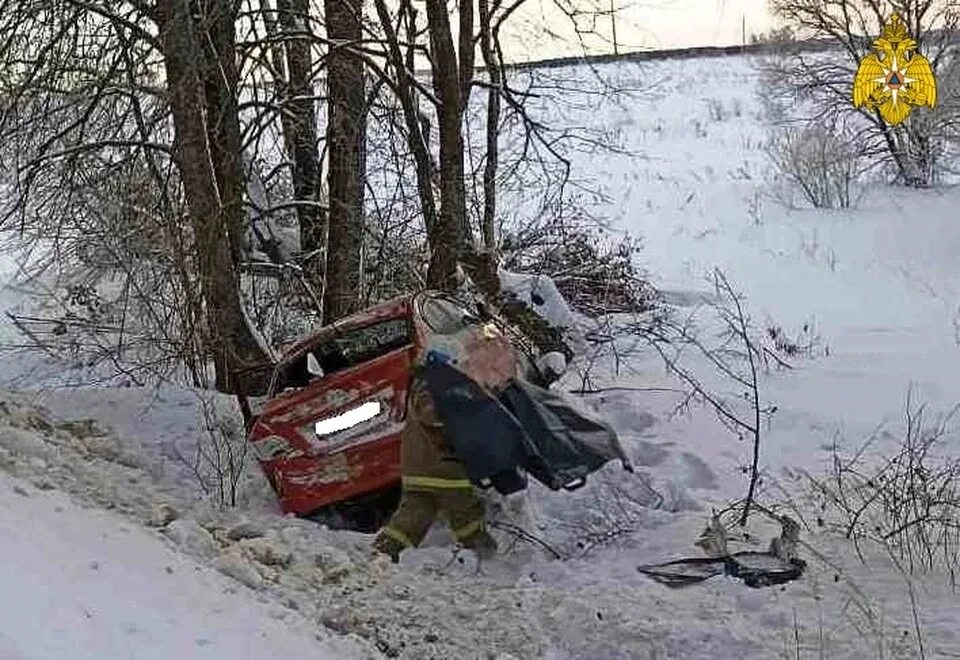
x=566, y=444
x=483, y=434
x=526, y=429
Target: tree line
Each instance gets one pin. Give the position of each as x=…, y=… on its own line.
x=176, y=169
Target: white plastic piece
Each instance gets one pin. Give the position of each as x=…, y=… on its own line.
x=313, y=366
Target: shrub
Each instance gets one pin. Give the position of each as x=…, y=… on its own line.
x=819, y=164
x=908, y=500
x=594, y=275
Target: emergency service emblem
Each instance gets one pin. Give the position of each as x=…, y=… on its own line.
x=894, y=78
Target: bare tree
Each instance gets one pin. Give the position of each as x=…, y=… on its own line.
x=824, y=79
x=459, y=191
x=407, y=90
x=299, y=118
x=495, y=73
x=202, y=88
x=96, y=166
x=346, y=154
x=452, y=79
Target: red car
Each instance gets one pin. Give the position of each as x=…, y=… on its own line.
x=328, y=438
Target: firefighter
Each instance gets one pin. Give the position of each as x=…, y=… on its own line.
x=433, y=483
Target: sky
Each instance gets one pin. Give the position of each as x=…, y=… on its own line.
x=640, y=24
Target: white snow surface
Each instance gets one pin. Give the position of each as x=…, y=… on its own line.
x=86, y=583
x=880, y=284
x=540, y=293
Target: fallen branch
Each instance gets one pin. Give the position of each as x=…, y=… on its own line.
x=522, y=534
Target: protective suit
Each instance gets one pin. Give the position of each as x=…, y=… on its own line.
x=433, y=483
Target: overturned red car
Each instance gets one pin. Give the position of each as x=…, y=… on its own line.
x=328, y=436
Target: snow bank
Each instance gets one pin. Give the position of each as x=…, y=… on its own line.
x=540, y=294
x=282, y=571
x=84, y=583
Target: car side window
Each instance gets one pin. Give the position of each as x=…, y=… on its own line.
x=444, y=317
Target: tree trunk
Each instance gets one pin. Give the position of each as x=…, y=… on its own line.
x=219, y=76
x=300, y=132
x=453, y=235
x=278, y=72
x=488, y=223
x=231, y=338
x=346, y=133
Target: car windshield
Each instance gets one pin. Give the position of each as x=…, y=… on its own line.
x=348, y=350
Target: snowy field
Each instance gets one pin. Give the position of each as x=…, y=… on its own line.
x=879, y=285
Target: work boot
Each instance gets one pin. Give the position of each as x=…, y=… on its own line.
x=388, y=546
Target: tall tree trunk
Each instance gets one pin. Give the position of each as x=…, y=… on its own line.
x=451, y=80
x=278, y=72
x=219, y=76
x=488, y=223
x=346, y=133
x=300, y=132
x=232, y=340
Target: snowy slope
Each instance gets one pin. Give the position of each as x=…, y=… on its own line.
x=880, y=284
x=85, y=583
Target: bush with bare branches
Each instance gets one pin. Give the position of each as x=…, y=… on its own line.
x=594, y=276
x=725, y=373
x=219, y=458
x=814, y=161
x=907, y=500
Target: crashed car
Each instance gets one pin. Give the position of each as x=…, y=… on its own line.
x=328, y=434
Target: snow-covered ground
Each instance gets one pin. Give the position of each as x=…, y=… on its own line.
x=86, y=583
x=880, y=284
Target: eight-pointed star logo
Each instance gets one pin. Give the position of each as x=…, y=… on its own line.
x=894, y=78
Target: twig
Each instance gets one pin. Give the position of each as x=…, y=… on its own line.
x=601, y=390
x=523, y=534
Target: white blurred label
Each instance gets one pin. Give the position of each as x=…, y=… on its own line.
x=349, y=419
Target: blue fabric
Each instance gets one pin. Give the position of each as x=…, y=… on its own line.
x=484, y=435
x=527, y=429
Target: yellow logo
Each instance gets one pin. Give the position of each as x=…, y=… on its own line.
x=895, y=77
